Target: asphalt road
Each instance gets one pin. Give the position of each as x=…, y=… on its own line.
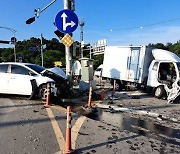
x=146, y=125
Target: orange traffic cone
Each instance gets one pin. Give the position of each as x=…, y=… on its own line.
x=102, y=94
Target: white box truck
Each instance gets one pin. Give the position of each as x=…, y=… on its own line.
x=155, y=69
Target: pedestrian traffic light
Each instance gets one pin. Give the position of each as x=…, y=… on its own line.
x=30, y=20
x=59, y=34
x=4, y=42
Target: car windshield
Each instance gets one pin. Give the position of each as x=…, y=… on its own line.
x=36, y=68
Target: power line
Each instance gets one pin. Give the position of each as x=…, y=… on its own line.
x=137, y=27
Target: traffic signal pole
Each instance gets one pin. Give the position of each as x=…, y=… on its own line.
x=68, y=4
x=13, y=31
x=42, y=61
x=67, y=49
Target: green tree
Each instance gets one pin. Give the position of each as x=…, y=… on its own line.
x=98, y=60
x=7, y=54
x=158, y=46
x=50, y=56
x=176, y=48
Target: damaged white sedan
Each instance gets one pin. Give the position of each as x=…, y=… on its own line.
x=31, y=80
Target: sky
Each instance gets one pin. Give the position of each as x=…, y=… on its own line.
x=120, y=22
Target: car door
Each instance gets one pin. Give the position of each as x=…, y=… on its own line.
x=3, y=78
x=19, y=80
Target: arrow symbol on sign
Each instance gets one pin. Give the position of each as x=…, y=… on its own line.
x=64, y=16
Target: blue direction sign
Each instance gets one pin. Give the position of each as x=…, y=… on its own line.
x=66, y=21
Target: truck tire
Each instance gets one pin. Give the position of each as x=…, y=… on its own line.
x=159, y=92
x=118, y=85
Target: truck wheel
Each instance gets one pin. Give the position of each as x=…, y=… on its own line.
x=118, y=86
x=159, y=92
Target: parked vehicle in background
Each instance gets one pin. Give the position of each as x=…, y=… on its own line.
x=98, y=71
x=133, y=66
x=31, y=80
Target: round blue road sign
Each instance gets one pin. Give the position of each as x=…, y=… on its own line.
x=66, y=21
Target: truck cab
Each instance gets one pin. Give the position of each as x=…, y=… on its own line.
x=164, y=74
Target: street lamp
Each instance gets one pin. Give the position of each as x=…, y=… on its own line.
x=13, y=31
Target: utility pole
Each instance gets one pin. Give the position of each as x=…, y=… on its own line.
x=81, y=37
x=14, y=48
x=42, y=50
x=13, y=31
x=67, y=49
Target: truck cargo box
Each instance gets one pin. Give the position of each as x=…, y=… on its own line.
x=128, y=63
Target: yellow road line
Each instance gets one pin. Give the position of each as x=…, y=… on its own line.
x=58, y=108
x=57, y=130
x=58, y=133
x=75, y=129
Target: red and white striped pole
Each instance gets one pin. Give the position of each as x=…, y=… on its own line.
x=48, y=95
x=68, y=149
x=90, y=96
x=114, y=87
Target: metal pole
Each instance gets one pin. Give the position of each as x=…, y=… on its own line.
x=81, y=37
x=15, y=52
x=13, y=31
x=47, y=6
x=67, y=49
x=14, y=48
x=81, y=41
x=41, y=50
x=90, y=52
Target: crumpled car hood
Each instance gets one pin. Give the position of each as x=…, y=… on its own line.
x=57, y=71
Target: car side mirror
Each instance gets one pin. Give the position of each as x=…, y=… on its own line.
x=31, y=73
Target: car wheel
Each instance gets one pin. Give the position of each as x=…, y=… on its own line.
x=43, y=92
x=159, y=92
